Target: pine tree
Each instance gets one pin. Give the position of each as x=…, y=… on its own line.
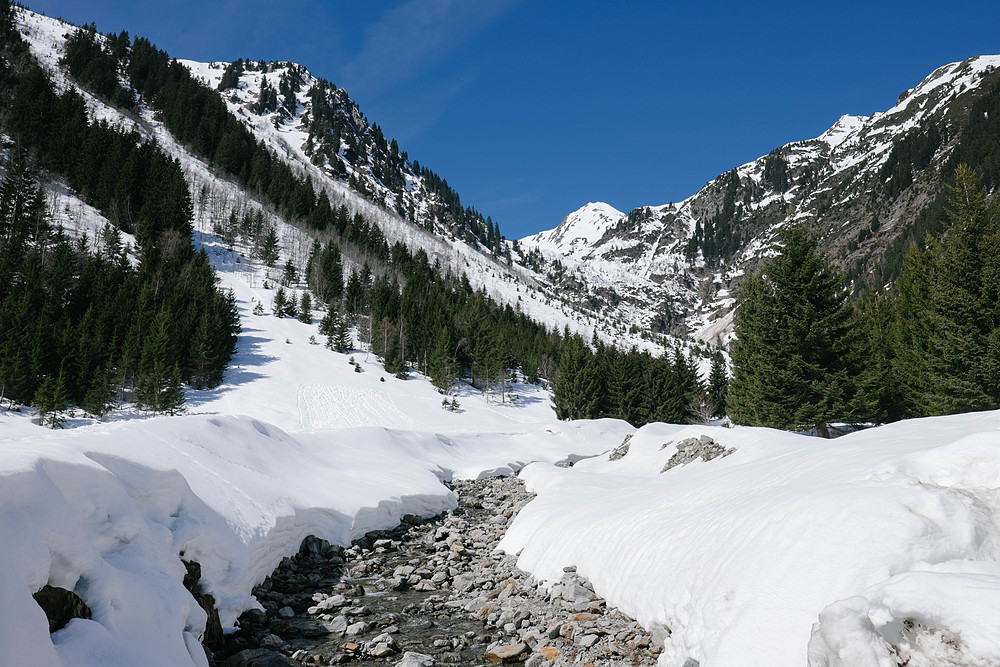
x=305, y=308
x=98, y=399
x=569, y=399
x=289, y=275
x=268, y=247
x=342, y=336
x=171, y=395
x=280, y=306
x=52, y=399
x=441, y=365
x=718, y=386
x=795, y=356
x=962, y=365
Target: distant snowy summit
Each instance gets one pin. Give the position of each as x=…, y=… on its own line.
x=579, y=231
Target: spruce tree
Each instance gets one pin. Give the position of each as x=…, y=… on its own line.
x=569, y=399
x=267, y=247
x=280, y=305
x=718, y=386
x=795, y=358
x=52, y=399
x=171, y=395
x=289, y=276
x=962, y=362
x=98, y=399
x=342, y=336
x=305, y=308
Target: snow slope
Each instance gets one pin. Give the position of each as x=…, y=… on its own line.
x=789, y=547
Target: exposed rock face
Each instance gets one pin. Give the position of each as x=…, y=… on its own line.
x=621, y=450
x=60, y=606
x=691, y=449
x=214, y=638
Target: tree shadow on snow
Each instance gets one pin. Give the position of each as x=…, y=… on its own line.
x=240, y=370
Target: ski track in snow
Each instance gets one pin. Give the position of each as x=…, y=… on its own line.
x=327, y=406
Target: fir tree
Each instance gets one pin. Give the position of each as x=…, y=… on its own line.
x=98, y=399
x=718, y=386
x=52, y=399
x=570, y=401
x=795, y=356
x=267, y=247
x=342, y=336
x=280, y=305
x=289, y=275
x=305, y=308
x=964, y=360
x=171, y=395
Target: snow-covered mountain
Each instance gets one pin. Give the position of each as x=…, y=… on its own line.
x=874, y=549
x=860, y=185
x=317, y=130
x=632, y=278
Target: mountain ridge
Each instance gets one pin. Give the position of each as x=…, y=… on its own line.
x=693, y=253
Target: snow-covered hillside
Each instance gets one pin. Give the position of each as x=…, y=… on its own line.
x=286, y=133
x=686, y=259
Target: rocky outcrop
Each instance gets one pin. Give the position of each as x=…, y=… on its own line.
x=703, y=447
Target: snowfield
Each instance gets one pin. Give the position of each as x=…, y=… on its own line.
x=790, y=547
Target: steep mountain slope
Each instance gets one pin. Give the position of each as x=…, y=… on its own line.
x=862, y=186
x=315, y=129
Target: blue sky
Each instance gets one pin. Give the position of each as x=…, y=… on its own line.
x=532, y=109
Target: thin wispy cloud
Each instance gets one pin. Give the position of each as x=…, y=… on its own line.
x=409, y=37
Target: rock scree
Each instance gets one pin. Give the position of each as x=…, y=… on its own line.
x=432, y=592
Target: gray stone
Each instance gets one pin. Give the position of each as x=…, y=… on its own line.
x=286, y=612
x=252, y=617
x=259, y=657
x=358, y=628
x=464, y=582
x=658, y=635
x=337, y=625
x=413, y=659
x=621, y=450
x=506, y=653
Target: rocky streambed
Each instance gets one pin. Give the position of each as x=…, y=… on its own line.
x=431, y=592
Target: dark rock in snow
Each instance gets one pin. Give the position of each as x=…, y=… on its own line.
x=60, y=606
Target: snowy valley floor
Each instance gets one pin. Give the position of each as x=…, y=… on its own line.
x=872, y=549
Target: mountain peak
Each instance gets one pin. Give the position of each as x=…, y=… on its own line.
x=580, y=230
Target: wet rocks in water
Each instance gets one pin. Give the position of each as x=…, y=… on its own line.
x=434, y=592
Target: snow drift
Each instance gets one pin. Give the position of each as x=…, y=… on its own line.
x=791, y=548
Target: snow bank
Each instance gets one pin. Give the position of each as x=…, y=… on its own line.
x=741, y=556
x=109, y=511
